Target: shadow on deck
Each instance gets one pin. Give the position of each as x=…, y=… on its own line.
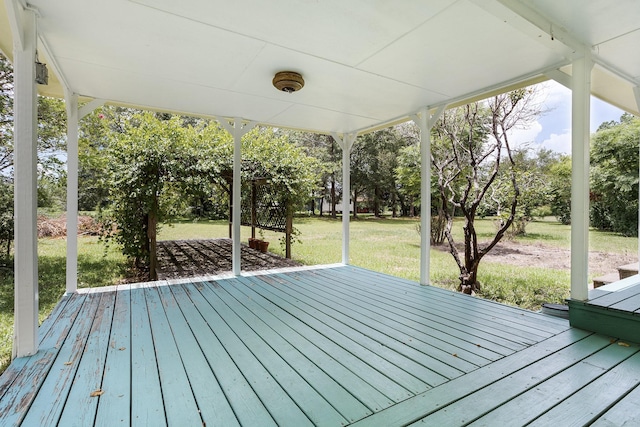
x=325, y=346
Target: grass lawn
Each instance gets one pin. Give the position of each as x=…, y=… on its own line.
x=387, y=245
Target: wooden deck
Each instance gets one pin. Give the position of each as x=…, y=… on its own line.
x=613, y=309
x=327, y=347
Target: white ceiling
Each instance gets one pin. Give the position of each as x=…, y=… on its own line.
x=366, y=63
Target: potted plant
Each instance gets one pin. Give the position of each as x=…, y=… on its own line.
x=253, y=243
x=263, y=245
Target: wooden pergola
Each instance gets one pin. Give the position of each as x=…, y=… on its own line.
x=366, y=65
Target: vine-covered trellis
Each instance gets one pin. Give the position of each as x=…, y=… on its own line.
x=260, y=208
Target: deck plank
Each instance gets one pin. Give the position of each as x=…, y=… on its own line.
x=147, y=407
x=393, y=322
x=280, y=405
x=419, y=312
x=385, y=389
x=321, y=408
x=590, y=402
x=615, y=297
x=416, y=408
x=333, y=392
x=542, y=397
x=631, y=304
x=54, y=332
x=243, y=400
x=114, y=406
x=44, y=412
x=80, y=408
x=443, y=363
x=529, y=320
x=474, y=319
x=212, y=403
x=625, y=412
x=386, y=361
x=464, y=410
x=497, y=315
x=179, y=403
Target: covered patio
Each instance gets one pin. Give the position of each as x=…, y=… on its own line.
x=326, y=346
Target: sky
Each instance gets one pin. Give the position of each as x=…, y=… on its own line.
x=552, y=130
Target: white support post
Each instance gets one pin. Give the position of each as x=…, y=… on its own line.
x=425, y=123
x=74, y=114
x=237, y=130
x=346, y=143
x=25, y=190
x=71, y=100
x=580, y=107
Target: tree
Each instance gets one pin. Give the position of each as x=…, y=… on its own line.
x=471, y=153
x=145, y=159
x=614, y=176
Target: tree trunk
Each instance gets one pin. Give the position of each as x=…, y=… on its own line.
x=321, y=204
x=355, y=204
x=333, y=195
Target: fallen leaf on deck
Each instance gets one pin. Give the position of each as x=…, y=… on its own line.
x=68, y=363
x=122, y=348
x=624, y=344
x=97, y=393
x=455, y=354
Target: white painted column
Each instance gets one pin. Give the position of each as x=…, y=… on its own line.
x=71, y=100
x=238, y=131
x=346, y=143
x=25, y=189
x=580, y=112
x=425, y=123
x=237, y=197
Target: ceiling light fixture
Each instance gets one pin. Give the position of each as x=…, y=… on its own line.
x=288, y=81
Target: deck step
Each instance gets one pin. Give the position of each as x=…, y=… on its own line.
x=606, y=279
x=628, y=270
x=612, y=310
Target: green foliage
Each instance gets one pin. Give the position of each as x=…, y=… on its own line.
x=614, y=176
x=559, y=189
x=6, y=216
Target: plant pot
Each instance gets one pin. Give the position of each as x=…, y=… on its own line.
x=253, y=243
x=263, y=245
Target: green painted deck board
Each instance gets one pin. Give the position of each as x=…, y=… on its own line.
x=328, y=346
x=179, y=403
x=316, y=406
x=393, y=364
x=211, y=401
x=80, y=408
x=146, y=395
x=481, y=309
x=416, y=408
x=419, y=312
x=280, y=405
x=432, y=358
x=539, y=399
x=391, y=323
x=371, y=386
x=625, y=412
x=318, y=380
x=114, y=406
x=589, y=403
x=488, y=398
x=431, y=330
x=449, y=306
x=246, y=405
x=58, y=382
x=612, y=298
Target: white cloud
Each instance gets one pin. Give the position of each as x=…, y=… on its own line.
x=525, y=137
x=560, y=143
